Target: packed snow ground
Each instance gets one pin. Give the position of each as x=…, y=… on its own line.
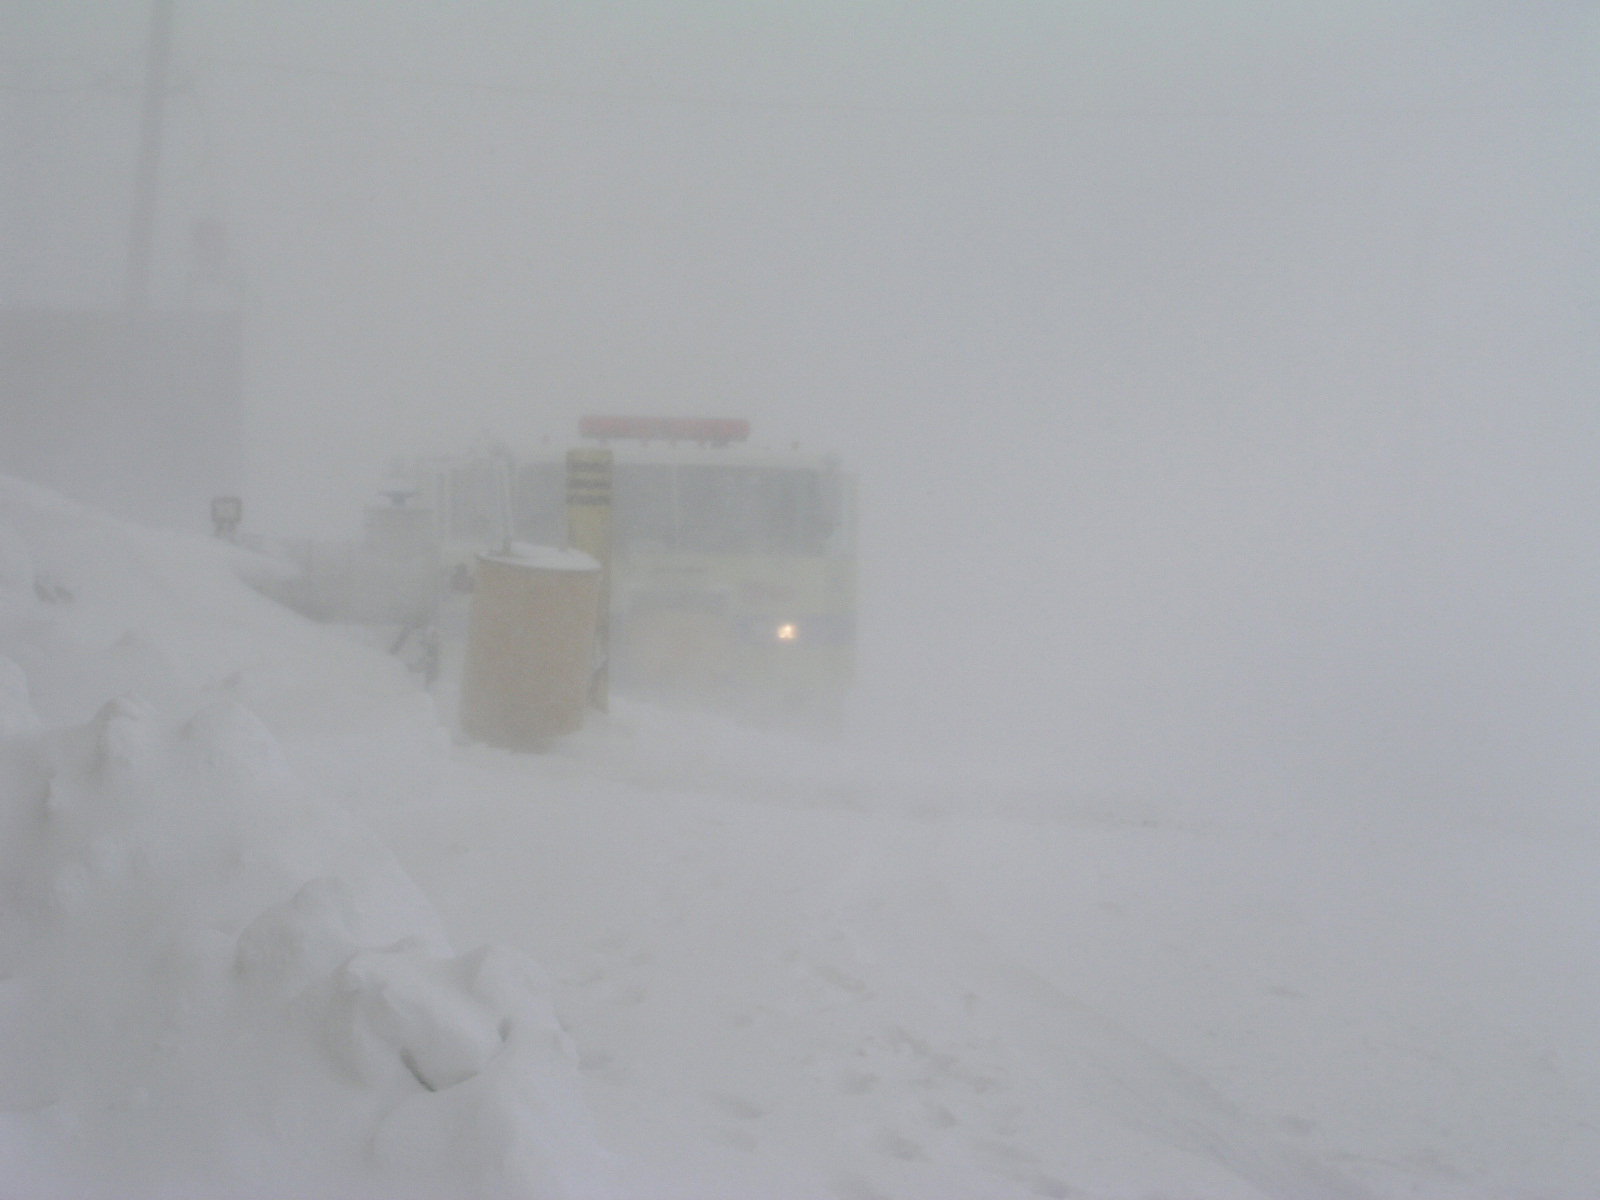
x=242, y=857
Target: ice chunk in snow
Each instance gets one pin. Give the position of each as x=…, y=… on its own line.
x=403, y=1008
x=303, y=939
x=508, y=1129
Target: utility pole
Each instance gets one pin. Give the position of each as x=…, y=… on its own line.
x=142, y=237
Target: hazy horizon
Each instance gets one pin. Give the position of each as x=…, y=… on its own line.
x=1220, y=377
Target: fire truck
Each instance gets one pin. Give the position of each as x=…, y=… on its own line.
x=733, y=568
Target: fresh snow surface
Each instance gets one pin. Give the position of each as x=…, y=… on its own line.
x=269, y=931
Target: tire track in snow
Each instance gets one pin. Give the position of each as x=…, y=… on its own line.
x=1153, y=1091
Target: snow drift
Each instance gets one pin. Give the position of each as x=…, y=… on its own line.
x=214, y=980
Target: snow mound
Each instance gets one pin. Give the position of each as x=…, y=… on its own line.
x=213, y=979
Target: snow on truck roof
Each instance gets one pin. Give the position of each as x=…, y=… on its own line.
x=712, y=431
x=711, y=456
x=665, y=441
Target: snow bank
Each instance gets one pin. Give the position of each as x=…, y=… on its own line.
x=214, y=980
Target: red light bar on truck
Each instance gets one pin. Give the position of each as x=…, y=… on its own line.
x=718, y=431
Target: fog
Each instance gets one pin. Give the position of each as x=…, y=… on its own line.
x=1219, y=377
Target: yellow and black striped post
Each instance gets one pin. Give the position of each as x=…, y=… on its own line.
x=589, y=530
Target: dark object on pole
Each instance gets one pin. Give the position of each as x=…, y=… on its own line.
x=226, y=512
x=142, y=236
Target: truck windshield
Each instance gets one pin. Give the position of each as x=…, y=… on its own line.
x=723, y=509
x=700, y=509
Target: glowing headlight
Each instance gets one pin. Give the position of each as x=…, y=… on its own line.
x=788, y=631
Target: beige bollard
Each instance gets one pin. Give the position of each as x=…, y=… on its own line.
x=530, y=646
